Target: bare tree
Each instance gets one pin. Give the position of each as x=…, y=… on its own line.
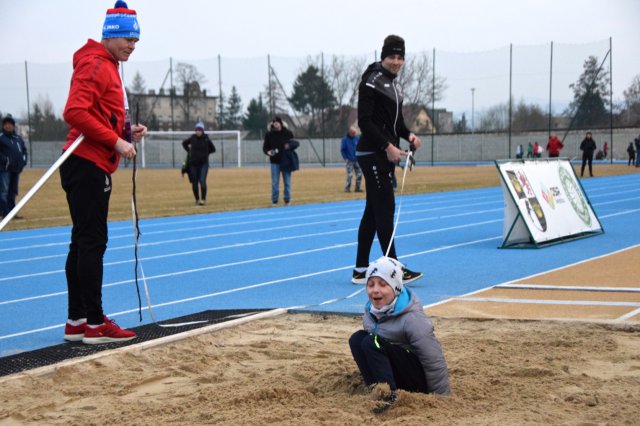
x=495, y=118
x=343, y=75
x=189, y=80
x=630, y=114
x=417, y=81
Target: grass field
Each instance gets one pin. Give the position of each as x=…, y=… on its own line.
x=164, y=192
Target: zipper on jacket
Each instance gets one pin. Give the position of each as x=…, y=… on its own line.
x=395, y=121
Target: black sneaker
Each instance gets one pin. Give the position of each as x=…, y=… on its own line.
x=409, y=276
x=387, y=401
x=359, y=277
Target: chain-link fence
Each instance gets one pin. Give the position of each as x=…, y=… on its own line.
x=479, y=104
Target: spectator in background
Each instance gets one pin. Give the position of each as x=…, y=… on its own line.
x=537, y=150
x=554, y=146
x=632, y=154
x=588, y=147
x=529, y=150
x=96, y=108
x=13, y=158
x=637, y=144
x=605, y=150
x=199, y=146
x=276, y=141
x=348, y=151
x=519, y=151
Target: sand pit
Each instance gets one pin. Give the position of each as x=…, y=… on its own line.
x=297, y=369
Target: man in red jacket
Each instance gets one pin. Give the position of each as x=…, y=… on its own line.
x=554, y=146
x=96, y=108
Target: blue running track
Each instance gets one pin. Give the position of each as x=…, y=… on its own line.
x=299, y=256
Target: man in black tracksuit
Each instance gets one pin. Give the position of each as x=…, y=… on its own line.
x=382, y=124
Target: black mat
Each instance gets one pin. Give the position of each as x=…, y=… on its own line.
x=69, y=350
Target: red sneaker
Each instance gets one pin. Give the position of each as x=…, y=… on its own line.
x=107, y=333
x=74, y=333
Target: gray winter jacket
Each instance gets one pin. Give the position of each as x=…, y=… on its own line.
x=411, y=328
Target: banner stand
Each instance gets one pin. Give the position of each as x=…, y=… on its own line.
x=545, y=204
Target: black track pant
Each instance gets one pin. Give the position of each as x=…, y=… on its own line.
x=587, y=158
x=88, y=189
x=382, y=362
x=379, y=209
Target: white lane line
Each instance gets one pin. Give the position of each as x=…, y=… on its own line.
x=569, y=288
x=545, y=301
x=248, y=287
x=259, y=228
x=411, y=235
x=628, y=315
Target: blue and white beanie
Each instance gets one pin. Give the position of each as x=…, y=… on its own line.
x=200, y=125
x=389, y=270
x=121, y=22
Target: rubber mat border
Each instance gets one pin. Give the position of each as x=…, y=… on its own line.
x=54, y=354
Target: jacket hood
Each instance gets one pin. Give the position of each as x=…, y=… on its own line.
x=377, y=67
x=92, y=48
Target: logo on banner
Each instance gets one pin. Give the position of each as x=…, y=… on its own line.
x=574, y=194
x=524, y=190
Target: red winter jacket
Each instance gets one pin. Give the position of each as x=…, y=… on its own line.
x=95, y=106
x=554, y=146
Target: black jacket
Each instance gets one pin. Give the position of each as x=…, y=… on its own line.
x=199, y=149
x=380, y=110
x=588, y=146
x=13, y=153
x=275, y=139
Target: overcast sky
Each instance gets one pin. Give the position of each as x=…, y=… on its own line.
x=45, y=31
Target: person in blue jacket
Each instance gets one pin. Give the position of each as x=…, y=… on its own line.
x=397, y=345
x=348, y=151
x=13, y=158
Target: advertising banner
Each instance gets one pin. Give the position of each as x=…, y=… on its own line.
x=544, y=203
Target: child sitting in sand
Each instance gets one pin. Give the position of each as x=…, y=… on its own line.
x=397, y=345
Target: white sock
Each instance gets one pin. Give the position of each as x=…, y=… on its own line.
x=77, y=322
x=94, y=325
x=360, y=269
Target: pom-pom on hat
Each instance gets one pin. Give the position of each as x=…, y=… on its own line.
x=389, y=270
x=121, y=22
x=200, y=125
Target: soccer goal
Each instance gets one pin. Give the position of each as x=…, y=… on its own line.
x=164, y=149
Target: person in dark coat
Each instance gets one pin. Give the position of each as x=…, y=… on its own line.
x=380, y=119
x=632, y=154
x=199, y=146
x=276, y=142
x=13, y=158
x=588, y=147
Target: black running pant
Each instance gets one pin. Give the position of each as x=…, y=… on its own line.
x=587, y=157
x=379, y=209
x=382, y=362
x=88, y=189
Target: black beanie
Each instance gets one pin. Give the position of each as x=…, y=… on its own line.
x=393, y=45
x=8, y=119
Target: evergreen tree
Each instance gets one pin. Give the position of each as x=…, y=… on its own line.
x=256, y=118
x=311, y=94
x=590, y=96
x=233, y=111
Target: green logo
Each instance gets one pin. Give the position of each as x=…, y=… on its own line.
x=574, y=194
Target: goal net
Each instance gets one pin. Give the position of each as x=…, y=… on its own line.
x=164, y=149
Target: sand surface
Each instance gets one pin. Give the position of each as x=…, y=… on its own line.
x=297, y=369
